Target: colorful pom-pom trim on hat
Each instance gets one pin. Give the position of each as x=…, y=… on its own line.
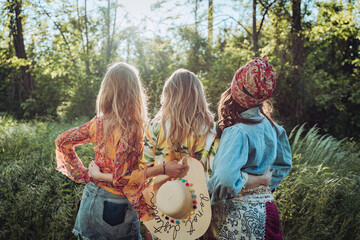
x=177, y=221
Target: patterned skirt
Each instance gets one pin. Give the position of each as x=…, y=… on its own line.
x=251, y=215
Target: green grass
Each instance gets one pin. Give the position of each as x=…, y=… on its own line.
x=314, y=149
x=37, y=202
x=320, y=199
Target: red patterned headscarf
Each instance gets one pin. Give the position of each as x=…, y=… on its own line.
x=253, y=83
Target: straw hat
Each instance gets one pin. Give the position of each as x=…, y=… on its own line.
x=181, y=206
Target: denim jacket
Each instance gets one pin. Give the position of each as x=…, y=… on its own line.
x=249, y=148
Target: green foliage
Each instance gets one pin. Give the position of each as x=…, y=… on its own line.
x=82, y=103
x=227, y=56
x=315, y=149
x=319, y=203
x=334, y=44
x=9, y=83
x=36, y=201
x=320, y=197
x=156, y=61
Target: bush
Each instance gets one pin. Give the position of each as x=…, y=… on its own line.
x=320, y=198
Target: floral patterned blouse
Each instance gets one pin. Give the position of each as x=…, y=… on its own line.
x=115, y=155
x=157, y=149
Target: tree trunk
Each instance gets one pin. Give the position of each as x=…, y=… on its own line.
x=297, y=51
x=18, y=39
x=254, y=31
x=196, y=16
x=85, y=42
x=87, y=62
x=210, y=22
x=107, y=19
x=114, y=28
x=297, y=42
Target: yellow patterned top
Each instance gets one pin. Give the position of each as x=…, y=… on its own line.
x=157, y=149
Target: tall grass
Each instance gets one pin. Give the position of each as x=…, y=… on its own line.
x=315, y=149
x=320, y=199
x=37, y=202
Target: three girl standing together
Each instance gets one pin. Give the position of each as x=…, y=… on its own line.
x=184, y=126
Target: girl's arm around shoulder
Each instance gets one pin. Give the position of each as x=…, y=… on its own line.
x=172, y=169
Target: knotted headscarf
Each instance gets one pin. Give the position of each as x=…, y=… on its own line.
x=253, y=83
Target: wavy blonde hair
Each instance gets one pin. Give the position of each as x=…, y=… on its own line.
x=183, y=103
x=121, y=102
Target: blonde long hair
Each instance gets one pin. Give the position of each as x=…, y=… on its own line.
x=121, y=102
x=183, y=103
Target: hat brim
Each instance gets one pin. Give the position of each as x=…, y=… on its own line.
x=199, y=222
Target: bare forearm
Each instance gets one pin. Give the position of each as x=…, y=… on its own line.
x=150, y=172
x=172, y=169
x=154, y=171
x=255, y=181
x=105, y=177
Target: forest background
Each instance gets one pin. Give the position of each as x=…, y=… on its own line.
x=53, y=56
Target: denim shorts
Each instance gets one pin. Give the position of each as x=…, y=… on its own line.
x=104, y=215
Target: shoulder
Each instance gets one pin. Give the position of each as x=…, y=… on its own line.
x=281, y=131
x=154, y=129
x=96, y=120
x=282, y=137
x=154, y=123
x=213, y=127
x=96, y=125
x=235, y=131
x=155, y=126
x=238, y=128
x=90, y=125
x=210, y=130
